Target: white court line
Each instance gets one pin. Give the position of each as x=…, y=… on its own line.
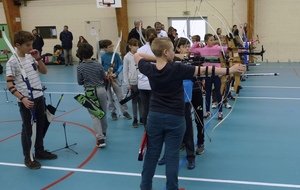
x=285, y=87
x=268, y=98
x=160, y=176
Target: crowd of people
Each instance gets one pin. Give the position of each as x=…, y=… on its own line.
x=163, y=87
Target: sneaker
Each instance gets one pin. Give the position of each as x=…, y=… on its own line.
x=161, y=161
x=230, y=98
x=100, y=143
x=71, y=64
x=207, y=115
x=126, y=115
x=227, y=105
x=214, y=105
x=141, y=121
x=114, y=116
x=45, y=155
x=135, y=123
x=220, y=116
x=191, y=165
x=200, y=149
x=34, y=165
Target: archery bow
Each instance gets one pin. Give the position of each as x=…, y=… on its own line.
x=112, y=64
x=26, y=80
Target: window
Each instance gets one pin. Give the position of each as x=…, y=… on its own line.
x=47, y=31
x=189, y=27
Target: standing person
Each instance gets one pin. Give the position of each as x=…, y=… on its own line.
x=143, y=82
x=28, y=103
x=171, y=34
x=80, y=41
x=38, y=43
x=130, y=74
x=197, y=99
x=226, y=93
x=134, y=32
x=66, y=38
x=160, y=32
x=218, y=33
x=235, y=30
x=181, y=49
x=166, y=121
x=113, y=70
x=211, y=50
x=91, y=75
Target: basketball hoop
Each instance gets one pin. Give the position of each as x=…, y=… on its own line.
x=108, y=4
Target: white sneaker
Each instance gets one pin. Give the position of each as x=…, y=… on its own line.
x=214, y=105
x=227, y=105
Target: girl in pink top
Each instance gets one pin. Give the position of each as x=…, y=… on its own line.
x=210, y=50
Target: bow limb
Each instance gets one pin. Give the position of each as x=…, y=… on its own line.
x=112, y=64
x=223, y=24
x=198, y=11
x=142, y=39
x=220, y=14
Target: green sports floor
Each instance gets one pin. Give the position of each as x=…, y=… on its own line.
x=257, y=147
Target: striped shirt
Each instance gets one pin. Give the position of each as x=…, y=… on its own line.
x=30, y=67
x=90, y=74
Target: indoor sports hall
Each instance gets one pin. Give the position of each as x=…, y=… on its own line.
x=254, y=147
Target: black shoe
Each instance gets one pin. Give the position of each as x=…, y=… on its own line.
x=135, y=123
x=45, y=155
x=220, y=116
x=207, y=115
x=126, y=115
x=191, y=165
x=141, y=121
x=200, y=149
x=101, y=143
x=34, y=165
x=114, y=116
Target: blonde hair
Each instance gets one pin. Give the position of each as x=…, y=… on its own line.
x=159, y=45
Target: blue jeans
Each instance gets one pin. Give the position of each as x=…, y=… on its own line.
x=168, y=129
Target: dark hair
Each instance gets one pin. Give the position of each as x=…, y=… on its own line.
x=207, y=36
x=170, y=30
x=133, y=42
x=85, y=51
x=218, y=30
x=197, y=38
x=79, y=42
x=22, y=37
x=157, y=23
x=180, y=42
x=150, y=35
x=105, y=43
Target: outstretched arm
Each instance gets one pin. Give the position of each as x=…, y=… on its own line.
x=139, y=56
x=236, y=68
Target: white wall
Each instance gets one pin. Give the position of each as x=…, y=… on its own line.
x=276, y=23
x=2, y=14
